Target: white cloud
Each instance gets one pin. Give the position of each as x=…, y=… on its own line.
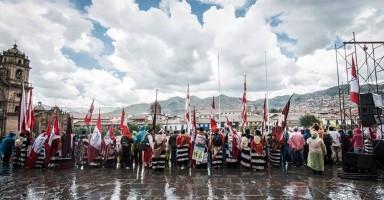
x=166, y=48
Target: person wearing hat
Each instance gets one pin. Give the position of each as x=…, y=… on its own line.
x=8, y=147
x=246, y=149
x=81, y=150
x=158, y=156
x=316, y=154
x=200, y=150
x=257, y=152
x=232, y=147
x=357, y=141
x=182, y=154
x=216, y=144
x=173, y=147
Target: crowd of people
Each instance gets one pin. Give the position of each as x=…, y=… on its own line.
x=219, y=148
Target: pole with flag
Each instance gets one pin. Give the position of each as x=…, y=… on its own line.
x=124, y=125
x=95, y=142
x=213, y=121
x=354, y=85
x=244, y=106
x=155, y=114
x=53, y=147
x=187, y=116
x=30, y=117
x=88, y=117
x=23, y=109
x=265, y=114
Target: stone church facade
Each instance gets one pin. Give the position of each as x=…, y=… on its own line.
x=14, y=70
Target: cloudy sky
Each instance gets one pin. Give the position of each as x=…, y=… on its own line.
x=119, y=51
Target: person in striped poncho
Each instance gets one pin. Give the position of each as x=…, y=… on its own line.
x=246, y=150
x=158, y=156
x=257, y=152
x=25, y=146
x=216, y=144
x=182, y=153
x=232, y=148
x=274, y=152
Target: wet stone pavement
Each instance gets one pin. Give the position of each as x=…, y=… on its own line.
x=297, y=183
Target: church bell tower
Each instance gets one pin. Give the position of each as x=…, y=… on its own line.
x=14, y=70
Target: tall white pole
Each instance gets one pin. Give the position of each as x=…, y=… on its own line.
x=219, y=83
x=266, y=88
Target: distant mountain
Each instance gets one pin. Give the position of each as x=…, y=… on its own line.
x=175, y=105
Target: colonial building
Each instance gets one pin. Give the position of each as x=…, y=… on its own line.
x=44, y=115
x=14, y=71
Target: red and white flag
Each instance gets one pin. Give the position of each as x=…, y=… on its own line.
x=354, y=85
x=37, y=146
x=266, y=109
x=30, y=117
x=110, y=136
x=23, y=110
x=88, y=117
x=187, y=116
x=244, y=105
x=124, y=125
x=55, y=132
x=95, y=140
x=213, y=121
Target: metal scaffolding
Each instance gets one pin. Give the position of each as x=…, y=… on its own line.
x=368, y=57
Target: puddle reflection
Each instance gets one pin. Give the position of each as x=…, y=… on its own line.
x=180, y=184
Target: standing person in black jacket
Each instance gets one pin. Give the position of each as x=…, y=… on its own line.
x=172, y=144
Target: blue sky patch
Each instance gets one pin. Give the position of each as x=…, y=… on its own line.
x=242, y=11
x=147, y=4
x=100, y=32
x=81, y=59
x=199, y=9
x=274, y=20
x=81, y=4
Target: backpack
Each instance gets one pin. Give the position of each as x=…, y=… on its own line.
x=216, y=140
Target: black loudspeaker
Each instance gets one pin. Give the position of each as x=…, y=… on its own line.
x=378, y=147
x=370, y=109
x=366, y=162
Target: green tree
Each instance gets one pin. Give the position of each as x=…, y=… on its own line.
x=308, y=120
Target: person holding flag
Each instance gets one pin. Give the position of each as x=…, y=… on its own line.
x=126, y=143
x=200, y=150
x=216, y=146
x=257, y=152
x=246, y=149
x=144, y=141
x=158, y=156
x=94, y=148
x=232, y=146
x=182, y=152
x=109, y=149
x=38, y=154
x=53, y=147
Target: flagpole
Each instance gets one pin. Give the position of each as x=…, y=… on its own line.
x=154, y=116
x=219, y=84
x=266, y=91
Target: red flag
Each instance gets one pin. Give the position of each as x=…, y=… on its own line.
x=95, y=140
x=55, y=133
x=187, y=116
x=88, y=117
x=48, y=131
x=29, y=118
x=266, y=109
x=123, y=125
x=244, y=105
x=38, y=144
x=354, y=85
x=23, y=110
x=285, y=111
x=110, y=136
x=213, y=122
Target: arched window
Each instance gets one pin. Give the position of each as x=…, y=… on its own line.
x=19, y=74
x=19, y=62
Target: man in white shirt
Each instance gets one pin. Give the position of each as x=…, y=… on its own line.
x=336, y=145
